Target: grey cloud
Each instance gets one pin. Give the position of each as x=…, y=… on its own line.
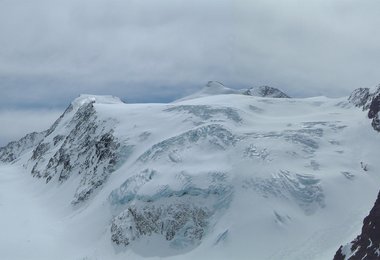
x=53, y=50
x=17, y=123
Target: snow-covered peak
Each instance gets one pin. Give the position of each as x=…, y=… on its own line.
x=217, y=88
x=212, y=88
x=85, y=99
x=266, y=91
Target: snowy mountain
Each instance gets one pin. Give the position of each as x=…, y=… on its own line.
x=216, y=175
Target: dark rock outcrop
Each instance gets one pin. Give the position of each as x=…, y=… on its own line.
x=367, y=245
x=368, y=100
x=360, y=98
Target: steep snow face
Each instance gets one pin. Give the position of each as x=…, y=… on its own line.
x=265, y=91
x=215, y=177
x=367, y=244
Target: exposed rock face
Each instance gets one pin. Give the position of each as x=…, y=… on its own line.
x=360, y=97
x=369, y=100
x=265, y=91
x=78, y=144
x=15, y=149
x=367, y=244
x=373, y=112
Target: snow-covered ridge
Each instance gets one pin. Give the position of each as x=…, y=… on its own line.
x=216, y=88
x=217, y=176
x=86, y=98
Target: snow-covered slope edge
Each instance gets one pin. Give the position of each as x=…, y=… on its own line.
x=217, y=177
x=367, y=244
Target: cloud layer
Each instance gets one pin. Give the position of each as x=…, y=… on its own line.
x=17, y=123
x=53, y=50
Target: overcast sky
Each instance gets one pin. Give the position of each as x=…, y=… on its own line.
x=159, y=50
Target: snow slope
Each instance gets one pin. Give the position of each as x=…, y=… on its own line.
x=217, y=176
